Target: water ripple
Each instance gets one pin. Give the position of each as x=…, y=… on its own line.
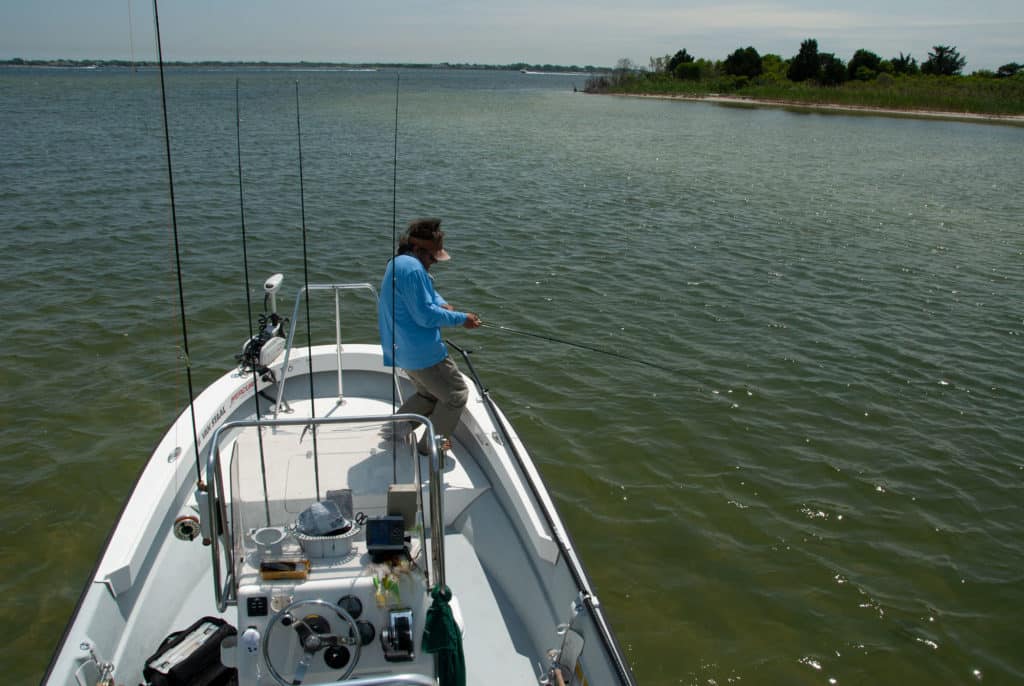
x=827, y=488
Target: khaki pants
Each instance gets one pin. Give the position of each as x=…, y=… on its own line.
x=441, y=394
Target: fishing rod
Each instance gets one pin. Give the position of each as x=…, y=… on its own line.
x=582, y=346
x=177, y=247
x=305, y=275
x=245, y=251
x=248, y=299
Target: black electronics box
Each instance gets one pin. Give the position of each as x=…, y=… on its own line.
x=385, y=534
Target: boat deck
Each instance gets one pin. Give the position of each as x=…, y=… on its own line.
x=363, y=460
x=510, y=580
x=354, y=457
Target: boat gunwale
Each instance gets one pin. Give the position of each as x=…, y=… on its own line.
x=566, y=546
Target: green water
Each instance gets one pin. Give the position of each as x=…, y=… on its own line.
x=828, y=490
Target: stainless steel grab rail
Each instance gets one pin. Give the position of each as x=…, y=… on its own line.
x=337, y=288
x=216, y=509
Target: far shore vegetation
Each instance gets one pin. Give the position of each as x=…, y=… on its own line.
x=820, y=78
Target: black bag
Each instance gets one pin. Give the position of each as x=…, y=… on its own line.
x=192, y=657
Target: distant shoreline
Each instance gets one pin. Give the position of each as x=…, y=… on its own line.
x=100, y=64
x=743, y=101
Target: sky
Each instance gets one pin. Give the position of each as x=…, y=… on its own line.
x=988, y=33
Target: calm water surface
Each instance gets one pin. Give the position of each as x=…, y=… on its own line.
x=826, y=491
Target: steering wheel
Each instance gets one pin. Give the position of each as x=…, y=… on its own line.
x=314, y=633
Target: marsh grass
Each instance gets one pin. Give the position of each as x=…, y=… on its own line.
x=966, y=94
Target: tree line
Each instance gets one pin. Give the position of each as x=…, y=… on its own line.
x=810, y=65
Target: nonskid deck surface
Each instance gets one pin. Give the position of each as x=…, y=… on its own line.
x=360, y=457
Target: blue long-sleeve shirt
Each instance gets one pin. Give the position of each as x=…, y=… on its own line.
x=418, y=316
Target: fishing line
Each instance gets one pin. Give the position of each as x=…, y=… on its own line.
x=583, y=346
x=248, y=298
x=305, y=276
x=177, y=246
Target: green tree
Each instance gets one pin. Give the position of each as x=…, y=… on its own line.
x=833, y=71
x=687, y=71
x=681, y=57
x=1011, y=69
x=774, y=67
x=806, y=64
x=944, y=60
x=744, y=62
x=864, y=65
x=708, y=69
x=904, y=64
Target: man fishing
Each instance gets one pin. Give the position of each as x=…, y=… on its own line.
x=410, y=314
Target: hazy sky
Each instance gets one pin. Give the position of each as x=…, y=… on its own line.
x=988, y=33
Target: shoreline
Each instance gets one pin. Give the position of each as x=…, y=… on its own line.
x=744, y=101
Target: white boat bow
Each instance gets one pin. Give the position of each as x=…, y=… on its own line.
x=228, y=561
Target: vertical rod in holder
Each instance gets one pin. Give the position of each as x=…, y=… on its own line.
x=337, y=337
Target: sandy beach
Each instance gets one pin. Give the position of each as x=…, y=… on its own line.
x=740, y=101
